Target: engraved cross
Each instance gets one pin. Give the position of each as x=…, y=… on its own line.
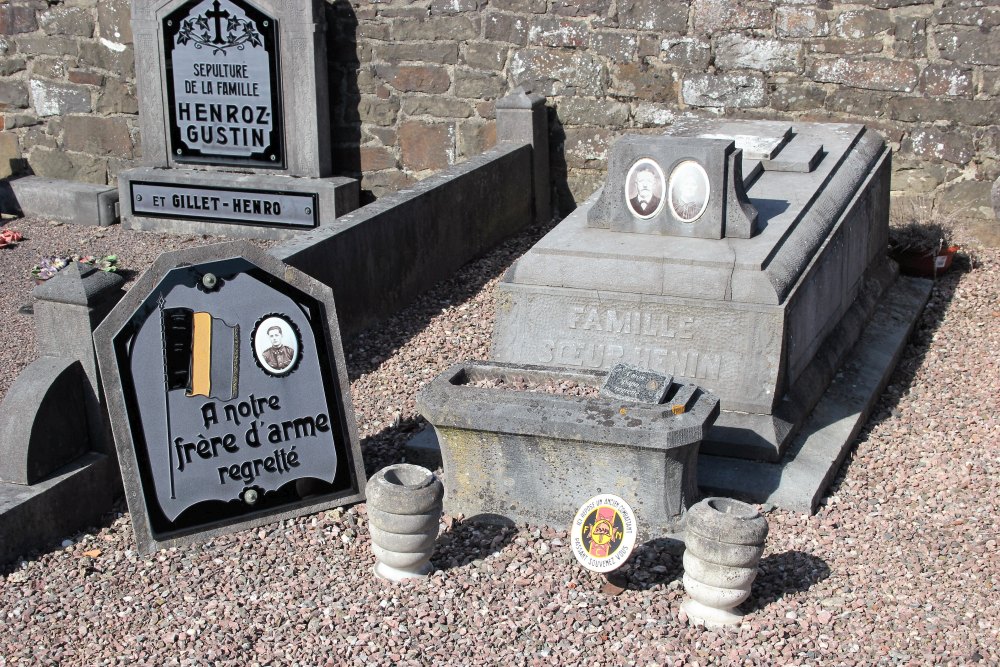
x=218, y=15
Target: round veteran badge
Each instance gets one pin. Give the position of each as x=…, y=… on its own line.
x=603, y=533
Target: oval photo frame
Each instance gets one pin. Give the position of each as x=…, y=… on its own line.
x=648, y=203
x=277, y=345
x=689, y=191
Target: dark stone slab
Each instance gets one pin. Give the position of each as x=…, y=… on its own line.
x=228, y=395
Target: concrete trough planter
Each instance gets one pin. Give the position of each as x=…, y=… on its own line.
x=535, y=457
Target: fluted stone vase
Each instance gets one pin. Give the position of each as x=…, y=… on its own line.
x=724, y=540
x=404, y=508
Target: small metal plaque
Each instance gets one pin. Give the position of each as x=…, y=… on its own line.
x=632, y=383
x=223, y=84
x=235, y=205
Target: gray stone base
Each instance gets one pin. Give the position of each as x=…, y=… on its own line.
x=66, y=201
x=336, y=195
x=75, y=496
x=800, y=478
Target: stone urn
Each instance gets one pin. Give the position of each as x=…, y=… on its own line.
x=724, y=540
x=404, y=507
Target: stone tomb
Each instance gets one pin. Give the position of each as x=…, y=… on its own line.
x=234, y=111
x=744, y=257
x=228, y=395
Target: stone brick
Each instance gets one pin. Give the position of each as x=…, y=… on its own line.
x=870, y=74
x=371, y=30
x=11, y=65
x=532, y=6
x=46, y=45
x=553, y=72
x=444, y=53
x=97, y=136
x=479, y=84
x=655, y=15
x=966, y=199
x=381, y=183
x=763, y=55
x=724, y=90
x=113, y=58
x=861, y=23
x=38, y=136
x=376, y=158
x=797, y=97
x=720, y=15
x=845, y=47
x=456, y=6
x=644, y=81
x=10, y=154
x=940, y=80
x=924, y=179
x=114, y=21
x=426, y=146
x=412, y=11
x=800, y=22
x=378, y=111
x=969, y=46
x=910, y=37
x=485, y=55
x=415, y=78
x=435, y=27
x=53, y=163
x=86, y=78
x=587, y=146
x=930, y=110
x=476, y=137
x=438, y=106
x=937, y=144
x=73, y=21
x=17, y=18
x=982, y=17
x=557, y=32
x=895, y=4
x=117, y=97
x=13, y=95
x=506, y=28
x=584, y=111
x=50, y=67
x=56, y=99
x=856, y=102
x=991, y=84
x=583, y=8
x=686, y=52
x=616, y=45
x=384, y=135
x=648, y=114
x=486, y=109
x=12, y=120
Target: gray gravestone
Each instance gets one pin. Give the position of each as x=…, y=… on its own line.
x=234, y=113
x=228, y=395
x=756, y=294
x=632, y=383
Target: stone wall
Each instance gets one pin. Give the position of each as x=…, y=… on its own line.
x=414, y=81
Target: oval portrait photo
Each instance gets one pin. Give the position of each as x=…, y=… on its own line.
x=689, y=191
x=644, y=188
x=276, y=345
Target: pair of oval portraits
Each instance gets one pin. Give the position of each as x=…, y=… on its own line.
x=687, y=190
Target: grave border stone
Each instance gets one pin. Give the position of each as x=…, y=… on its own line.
x=148, y=540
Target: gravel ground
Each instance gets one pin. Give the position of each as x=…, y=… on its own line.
x=900, y=566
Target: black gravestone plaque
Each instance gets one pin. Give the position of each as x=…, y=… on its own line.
x=631, y=383
x=223, y=84
x=234, y=396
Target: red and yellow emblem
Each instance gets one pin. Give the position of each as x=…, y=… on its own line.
x=603, y=533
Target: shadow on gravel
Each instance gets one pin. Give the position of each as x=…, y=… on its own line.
x=910, y=360
x=783, y=574
x=653, y=563
x=371, y=347
x=385, y=447
x=472, y=539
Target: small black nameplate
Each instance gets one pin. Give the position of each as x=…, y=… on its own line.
x=631, y=383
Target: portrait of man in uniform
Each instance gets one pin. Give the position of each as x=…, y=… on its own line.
x=275, y=345
x=644, y=186
x=689, y=191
